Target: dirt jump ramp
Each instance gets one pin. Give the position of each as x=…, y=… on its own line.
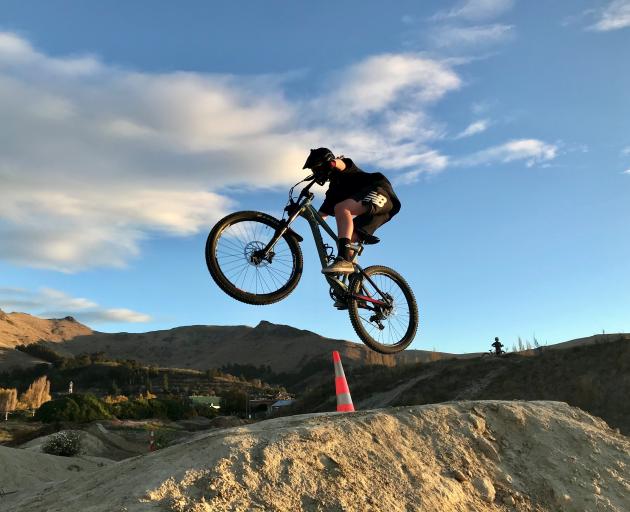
x=459, y=456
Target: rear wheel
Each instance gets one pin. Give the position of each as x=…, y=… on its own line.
x=233, y=262
x=388, y=325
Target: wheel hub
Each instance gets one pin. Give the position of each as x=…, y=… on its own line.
x=253, y=253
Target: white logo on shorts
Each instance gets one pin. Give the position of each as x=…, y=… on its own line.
x=375, y=198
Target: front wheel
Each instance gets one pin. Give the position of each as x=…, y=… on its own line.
x=383, y=312
x=232, y=256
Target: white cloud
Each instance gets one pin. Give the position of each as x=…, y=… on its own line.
x=50, y=303
x=99, y=158
x=626, y=171
x=472, y=36
x=615, y=16
x=474, y=128
x=533, y=151
x=477, y=10
x=428, y=163
x=378, y=82
x=626, y=150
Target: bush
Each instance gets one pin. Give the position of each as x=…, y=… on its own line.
x=76, y=408
x=164, y=408
x=132, y=410
x=66, y=444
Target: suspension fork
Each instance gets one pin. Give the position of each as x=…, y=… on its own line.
x=266, y=251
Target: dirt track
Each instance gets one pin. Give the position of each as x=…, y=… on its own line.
x=460, y=456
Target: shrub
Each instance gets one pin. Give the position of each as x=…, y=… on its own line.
x=66, y=443
x=132, y=410
x=77, y=408
x=63, y=409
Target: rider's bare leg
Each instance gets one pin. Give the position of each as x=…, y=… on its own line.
x=345, y=211
x=344, y=214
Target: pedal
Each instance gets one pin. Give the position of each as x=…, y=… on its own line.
x=340, y=305
x=356, y=248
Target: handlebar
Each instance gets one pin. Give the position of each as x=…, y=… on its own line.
x=305, y=192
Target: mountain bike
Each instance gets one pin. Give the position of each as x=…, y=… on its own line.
x=256, y=259
x=494, y=353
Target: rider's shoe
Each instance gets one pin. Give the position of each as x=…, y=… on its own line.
x=339, y=266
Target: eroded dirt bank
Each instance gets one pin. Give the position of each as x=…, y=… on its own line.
x=459, y=456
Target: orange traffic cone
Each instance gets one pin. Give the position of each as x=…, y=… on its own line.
x=344, y=400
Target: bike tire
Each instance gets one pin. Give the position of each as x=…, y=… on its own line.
x=232, y=289
x=355, y=313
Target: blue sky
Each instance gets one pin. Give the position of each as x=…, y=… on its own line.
x=129, y=130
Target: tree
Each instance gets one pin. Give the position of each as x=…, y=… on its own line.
x=165, y=382
x=77, y=408
x=36, y=394
x=521, y=346
x=8, y=401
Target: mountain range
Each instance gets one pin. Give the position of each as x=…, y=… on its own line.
x=281, y=347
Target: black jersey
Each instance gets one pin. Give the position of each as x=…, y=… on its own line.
x=347, y=183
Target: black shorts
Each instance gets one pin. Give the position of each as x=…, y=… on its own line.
x=379, y=205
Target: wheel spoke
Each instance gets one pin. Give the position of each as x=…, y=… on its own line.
x=235, y=254
x=397, y=321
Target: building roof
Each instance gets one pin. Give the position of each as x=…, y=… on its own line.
x=282, y=403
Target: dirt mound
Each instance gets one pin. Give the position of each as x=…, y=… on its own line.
x=227, y=422
x=21, y=471
x=460, y=456
x=97, y=443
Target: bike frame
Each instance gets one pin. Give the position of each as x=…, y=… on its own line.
x=303, y=208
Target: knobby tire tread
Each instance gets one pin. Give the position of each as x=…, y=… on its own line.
x=229, y=288
x=355, y=319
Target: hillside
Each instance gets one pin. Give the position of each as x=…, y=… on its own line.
x=456, y=457
x=23, y=329
x=283, y=348
x=591, y=376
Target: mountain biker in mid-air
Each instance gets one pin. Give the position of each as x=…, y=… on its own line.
x=360, y=201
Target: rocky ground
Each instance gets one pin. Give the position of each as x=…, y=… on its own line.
x=458, y=456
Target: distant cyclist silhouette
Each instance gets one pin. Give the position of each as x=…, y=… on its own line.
x=497, y=347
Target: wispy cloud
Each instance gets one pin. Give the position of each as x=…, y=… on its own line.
x=99, y=158
x=428, y=163
x=472, y=36
x=532, y=151
x=474, y=128
x=51, y=303
x=626, y=150
x=615, y=16
x=476, y=10
x=626, y=171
